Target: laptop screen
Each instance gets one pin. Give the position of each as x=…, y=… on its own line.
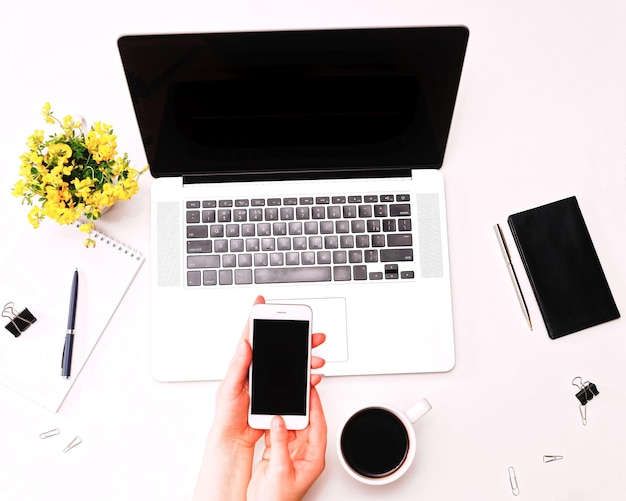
x=313, y=103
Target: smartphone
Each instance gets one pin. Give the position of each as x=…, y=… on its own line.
x=280, y=372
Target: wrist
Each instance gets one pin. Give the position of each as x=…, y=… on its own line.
x=226, y=469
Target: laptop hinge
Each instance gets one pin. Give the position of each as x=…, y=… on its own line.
x=296, y=175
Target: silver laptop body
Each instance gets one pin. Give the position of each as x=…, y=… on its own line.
x=302, y=166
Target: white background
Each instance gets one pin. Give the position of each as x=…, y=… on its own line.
x=540, y=116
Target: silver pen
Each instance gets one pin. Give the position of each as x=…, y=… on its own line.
x=507, y=258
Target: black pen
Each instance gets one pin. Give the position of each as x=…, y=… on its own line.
x=66, y=362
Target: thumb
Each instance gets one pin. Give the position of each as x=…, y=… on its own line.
x=280, y=461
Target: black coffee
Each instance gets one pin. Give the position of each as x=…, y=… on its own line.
x=374, y=442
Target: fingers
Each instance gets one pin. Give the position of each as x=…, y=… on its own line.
x=317, y=420
x=237, y=373
x=317, y=339
x=280, y=460
x=246, y=330
x=317, y=362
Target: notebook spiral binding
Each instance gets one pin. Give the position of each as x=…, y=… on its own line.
x=100, y=236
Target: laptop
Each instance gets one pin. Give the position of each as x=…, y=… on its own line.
x=303, y=166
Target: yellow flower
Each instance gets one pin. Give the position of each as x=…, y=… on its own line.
x=87, y=227
x=61, y=151
x=68, y=125
x=73, y=173
x=18, y=189
x=35, y=139
x=45, y=111
x=35, y=216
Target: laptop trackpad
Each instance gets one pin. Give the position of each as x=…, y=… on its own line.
x=329, y=317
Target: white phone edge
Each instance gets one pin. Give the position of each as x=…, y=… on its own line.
x=277, y=312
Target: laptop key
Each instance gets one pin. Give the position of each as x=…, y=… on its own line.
x=197, y=231
x=398, y=255
x=391, y=271
x=217, y=231
x=229, y=260
x=193, y=216
x=193, y=278
x=244, y=260
x=292, y=275
x=342, y=273
x=318, y=213
x=199, y=246
x=396, y=210
x=389, y=225
x=243, y=276
x=209, y=277
x=370, y=256
x=203, y=261
x=208, y=216
x=226, y=277
x=308, y=258
x=224, y=215
x=400, y=240
x=292, y=258
x=359, y=272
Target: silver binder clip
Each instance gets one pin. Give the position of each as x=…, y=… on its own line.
x=583, y=413
x=72, y=444
x=549, y=458
x=586, y=391
x=513, y=481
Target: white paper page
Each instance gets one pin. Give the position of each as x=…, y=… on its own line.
x=36, y=273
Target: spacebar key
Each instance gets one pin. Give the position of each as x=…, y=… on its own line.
x=291, y=275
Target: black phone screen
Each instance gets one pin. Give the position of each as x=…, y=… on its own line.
x=280, y=365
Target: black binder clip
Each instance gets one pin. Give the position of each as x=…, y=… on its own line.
x=587, y=391
x=18, y=322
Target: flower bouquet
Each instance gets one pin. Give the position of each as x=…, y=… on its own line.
x=74, y=174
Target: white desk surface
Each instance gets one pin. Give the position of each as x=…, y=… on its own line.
x=541, y=115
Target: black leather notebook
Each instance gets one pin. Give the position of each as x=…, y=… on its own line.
x=563, y=267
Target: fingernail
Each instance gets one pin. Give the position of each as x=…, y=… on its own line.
x=277, y=423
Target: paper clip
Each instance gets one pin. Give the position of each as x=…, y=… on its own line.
x=513, y=481
x=72, y=444
x=18, y=322
x=50, y=433
x=550, y=458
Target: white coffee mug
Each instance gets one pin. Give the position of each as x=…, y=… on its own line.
x=376, y=444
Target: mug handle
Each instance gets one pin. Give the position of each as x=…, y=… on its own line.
x=418, y=410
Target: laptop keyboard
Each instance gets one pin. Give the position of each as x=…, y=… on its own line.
x=235, y=242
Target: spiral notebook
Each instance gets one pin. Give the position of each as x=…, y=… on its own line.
x=36, y=273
